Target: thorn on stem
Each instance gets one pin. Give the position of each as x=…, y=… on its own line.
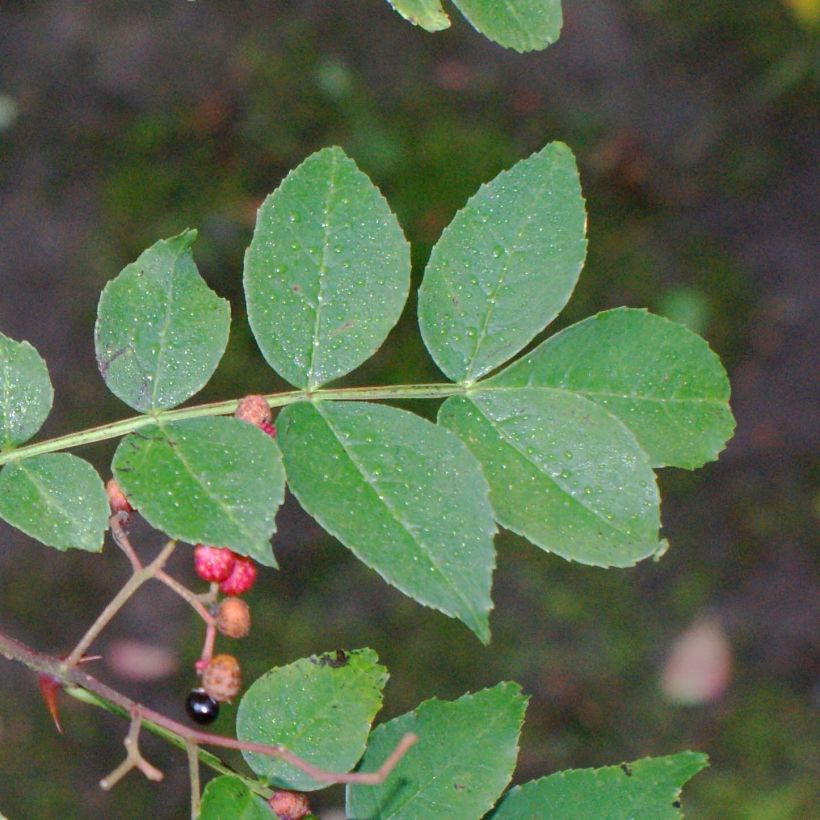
x=49, y=687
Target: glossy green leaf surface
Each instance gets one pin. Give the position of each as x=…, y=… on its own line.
x=425, y=13
x=505, y=266
x=404, y=495
x=327, y=272
x=464, y=757
x=25, y=392
x=320, y=708
x=228, y=798
x=160, y=330
x=209, y=480
x=648, y=789
x=56, y=498
x=658, y=377
x=523, y=25
x=563, y=472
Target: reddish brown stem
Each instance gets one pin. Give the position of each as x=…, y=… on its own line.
x=73, y=676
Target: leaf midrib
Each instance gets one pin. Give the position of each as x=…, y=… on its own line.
x=323, y=267
x=511, y=443
x=406, y=526
x=177, y=452
x=48, y=498
x=523, y=225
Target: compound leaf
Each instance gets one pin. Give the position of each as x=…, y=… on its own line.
x=56, y=498
x=26, y=393
x=523, y=25
x=208, y=480
x=505, y=266
x=327, y=272
x=425, y=13
x=464, y=757
x=160, y=330
x=563, y=472
x=228, y=798
x=320, y=708
x=647, y=788
x=658, y=377
x=404, y=495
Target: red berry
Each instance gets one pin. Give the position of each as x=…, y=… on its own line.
x=116, y=498
x=267, y=427
x=213, y=564
x=254, y=410
x=241, y=578
x=289, y=805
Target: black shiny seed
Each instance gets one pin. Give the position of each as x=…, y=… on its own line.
x=201, y=707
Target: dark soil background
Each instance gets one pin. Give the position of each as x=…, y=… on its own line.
x=695, y=129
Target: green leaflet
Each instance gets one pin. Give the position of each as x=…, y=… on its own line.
x=505, y=266
x=464, y=757
x=562, y=471
x=404, y=495
x=523, y=25
x=648, y=789
x=425, y=13
x=210, y=480
x=327, y=273
x=657, y=377
x=56, y=498
x=320, y=708
x=26, y=393
x=228, y=798
x=160, y=330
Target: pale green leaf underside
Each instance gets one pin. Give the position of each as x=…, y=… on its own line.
x=523, y=25
x=658, y=377
x=404, y=495
x=25, y=392
x=505, y=266
x=56, y=498
x=213, y=480
x=562, y=471
x=648, y=789
x=425, y=13
x=327, y=273
x=463, y=759
x=228, y=798
x=160, y=330
x=320, y=708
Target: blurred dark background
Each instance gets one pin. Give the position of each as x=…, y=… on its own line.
x=693, y=124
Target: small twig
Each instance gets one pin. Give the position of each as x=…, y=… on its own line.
x=193, y=773
x=380, y=775
x=211, y=595
x=133, y=756
x=191, y=597
x=207, y=647
x=137, y=579
x=120, y=536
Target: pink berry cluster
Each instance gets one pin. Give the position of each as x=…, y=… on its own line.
x=235, y=574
